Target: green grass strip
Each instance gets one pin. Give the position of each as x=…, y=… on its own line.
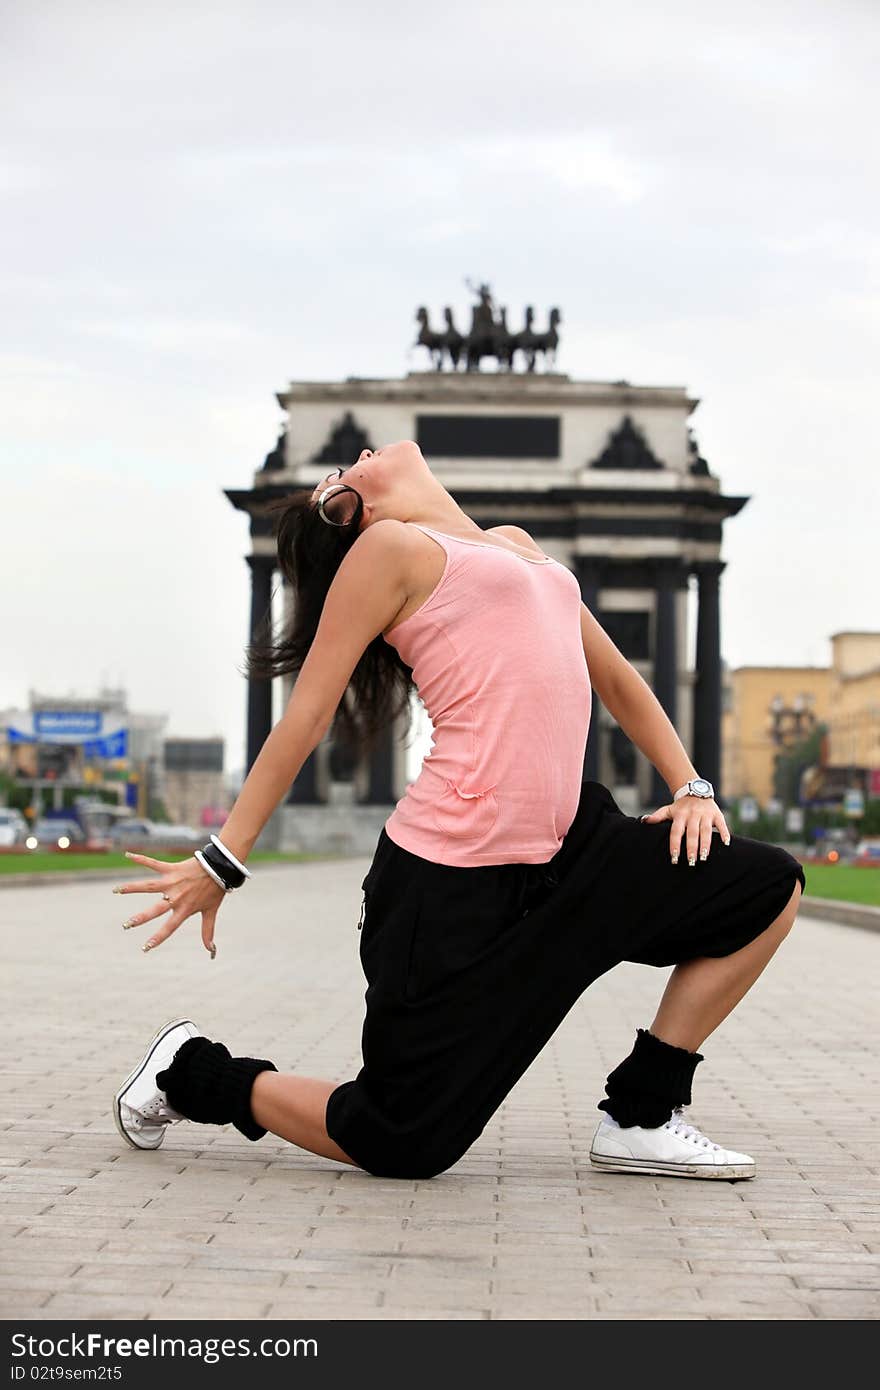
x=844, y=882
x=839, y=881
x=53, y=861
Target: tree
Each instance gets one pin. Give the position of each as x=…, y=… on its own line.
x=791, y=763
x=14, y=794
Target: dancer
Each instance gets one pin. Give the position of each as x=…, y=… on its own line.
x=502, y=883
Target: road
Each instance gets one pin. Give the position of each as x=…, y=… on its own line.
x=212, y=1226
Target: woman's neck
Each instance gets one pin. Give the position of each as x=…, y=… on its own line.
x=457, y=524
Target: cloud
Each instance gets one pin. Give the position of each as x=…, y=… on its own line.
x=175, y=335
x=21, y=178
x=578, y=161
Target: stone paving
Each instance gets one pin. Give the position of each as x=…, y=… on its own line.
x=212, y=1226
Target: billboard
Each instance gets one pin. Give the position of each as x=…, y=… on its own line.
x=99, y=735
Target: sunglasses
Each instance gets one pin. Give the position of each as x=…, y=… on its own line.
x=339, y=504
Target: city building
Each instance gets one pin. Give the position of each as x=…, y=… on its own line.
x=854, y=722
x=96, y=745
x=89, y=743
x=770, y=709
x=192, y=777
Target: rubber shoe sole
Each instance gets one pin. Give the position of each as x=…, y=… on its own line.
x=730, y=1172
x=133, y=1076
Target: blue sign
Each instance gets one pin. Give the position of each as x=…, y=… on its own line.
x=70, y=723
x=102, y=735
x=114, y=746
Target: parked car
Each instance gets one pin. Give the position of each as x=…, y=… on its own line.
x=868, y=852
x=839, y=853
x=144, y=831
x=62, y=834
x=185, y=834
x=125, y=831
x=13, y=828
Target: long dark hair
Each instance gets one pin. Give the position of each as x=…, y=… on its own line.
x=309, y=553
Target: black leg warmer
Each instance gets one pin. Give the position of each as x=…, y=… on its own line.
x=206, y=1084
x=650, y=1083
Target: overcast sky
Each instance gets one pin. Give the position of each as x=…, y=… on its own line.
x=199, y=203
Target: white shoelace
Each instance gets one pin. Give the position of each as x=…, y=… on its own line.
x=677, y=1124
x=155, y=1112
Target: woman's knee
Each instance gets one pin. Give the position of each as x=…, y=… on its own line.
x=411, y=1156
x=788, y=916
x=398, y=1141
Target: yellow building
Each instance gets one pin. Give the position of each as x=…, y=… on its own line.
x=854, y=725
x=766, y=709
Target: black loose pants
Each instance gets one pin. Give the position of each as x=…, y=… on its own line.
x=471, y=970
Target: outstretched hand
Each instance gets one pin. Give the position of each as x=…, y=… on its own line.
x=185, y=888
x=694, y=817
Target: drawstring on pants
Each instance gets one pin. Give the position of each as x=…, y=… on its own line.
x=533, y=875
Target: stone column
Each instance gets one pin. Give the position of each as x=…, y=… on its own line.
x=380, y=770
x=588, y=573
x=304, y=789
x=706, y=752
x=259, y=694
x=667, y=578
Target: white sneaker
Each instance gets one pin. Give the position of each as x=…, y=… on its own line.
x=140, y=1108
x=675, y=1150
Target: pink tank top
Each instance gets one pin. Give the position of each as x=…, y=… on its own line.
x=498, y=659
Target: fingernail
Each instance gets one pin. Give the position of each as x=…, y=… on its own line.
x=727, y=841
x=115, y=890
x=129, y=923
x=128, y=854
x=704, y=854
x=691, y=861
x=213, y=949
x=675, y=858
x=148, y=946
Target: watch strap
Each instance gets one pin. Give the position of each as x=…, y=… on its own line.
x=685, y=789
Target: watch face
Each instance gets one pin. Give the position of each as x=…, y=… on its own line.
x=701, y=786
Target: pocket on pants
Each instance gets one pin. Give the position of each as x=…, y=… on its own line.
x=392, y=903
x=372, y=913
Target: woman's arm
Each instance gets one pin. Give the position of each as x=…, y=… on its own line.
x=631, y=701
x=277, y=765
x=369, y=588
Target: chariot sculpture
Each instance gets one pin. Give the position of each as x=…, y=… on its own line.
x=489, y=336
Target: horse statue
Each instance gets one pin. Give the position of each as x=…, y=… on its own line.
x=453, y=340
x=548, y=342
x=434, y=342
x=506, y=343
x=525, y=341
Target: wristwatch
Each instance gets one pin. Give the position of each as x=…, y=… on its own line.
x=700, y=786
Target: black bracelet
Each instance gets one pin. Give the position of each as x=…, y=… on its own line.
x=232, y=877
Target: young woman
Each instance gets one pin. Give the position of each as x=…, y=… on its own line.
x=502, y=884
